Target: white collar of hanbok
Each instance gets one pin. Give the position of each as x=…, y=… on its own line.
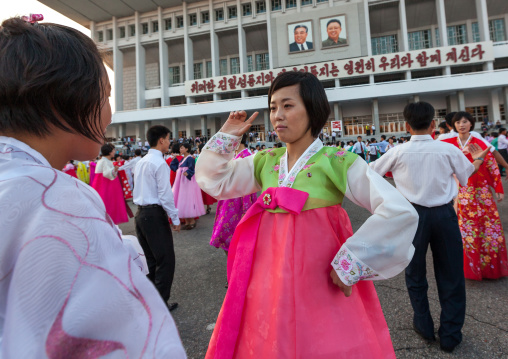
x=36, y=156
x=287, y=178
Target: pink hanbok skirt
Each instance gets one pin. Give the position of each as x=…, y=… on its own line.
x=187, y=195
x=281, y=301
x=112, y=196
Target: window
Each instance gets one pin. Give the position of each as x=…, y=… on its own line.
x=246, y=9
x=235, y=65
x=109, y=34
x=144, y=28
x=174, y=75
x=260, y=7
x=322, y=1
x=384, y=45
x=276, y=5
x=132, y=30
x=250, y=65
x=496, y=30
x=205, y=17
x=155, y=26
x=419, y=40
x=179, y=22
x=198, y=71
x=223, y=67
x=232, y=12
x=306, y=2
x=167, y=24
x=121, y=30
x=193, y=20
x=438, y=39
x=209, y=69
x=478, y=112
x=476, y=32
x=262, y=62
x=183, y=74
x=290, y=4
x=100, y=36
x=456, y=35
x=219, y=15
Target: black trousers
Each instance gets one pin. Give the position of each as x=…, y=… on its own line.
x=154, y=235
x=504, y=153
x=438, y=226
x=373, y=157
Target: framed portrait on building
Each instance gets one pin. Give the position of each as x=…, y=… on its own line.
x=300, y=37
x=333, y=31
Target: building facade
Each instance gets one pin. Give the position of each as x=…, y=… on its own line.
x=188, y=64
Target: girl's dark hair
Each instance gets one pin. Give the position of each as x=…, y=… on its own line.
x=244, y=140
x=312, y=93
x=175, y=148
x=186, y=145
x=459, y=115
x=50, y=75
x=106, y=149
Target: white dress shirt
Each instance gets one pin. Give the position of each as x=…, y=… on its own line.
x=423, y=170
x=131, y=164
x=152, y=184
x=358, y=147
x=453, y=134
x=502, y=142
x=106, y=167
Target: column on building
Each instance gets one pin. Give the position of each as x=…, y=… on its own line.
x=146, y=127
x=163, y=62
x=404, y=43
x=375, y=114
x=266, y=118
x=122, y=130
x=493, y=107
x=461, y=101
x=204, y=126
x=269, y=28
x=188, y=50
x=505, y=101
x=483, y=25
x=443, y=32
x=214, y=47
x=174, y=128
x=188, y=128
x=140, y=66
x=117, y=68
x=451, y=104
x=367, y=35
x=337, y=112
x=114, y=132
x=242, y=44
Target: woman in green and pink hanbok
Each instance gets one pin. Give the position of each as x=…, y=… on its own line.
x=298, y=277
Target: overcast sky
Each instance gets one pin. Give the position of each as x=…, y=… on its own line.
x=10, y=8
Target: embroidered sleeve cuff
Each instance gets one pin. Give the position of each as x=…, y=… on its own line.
x=349, y=268
x=223, y=143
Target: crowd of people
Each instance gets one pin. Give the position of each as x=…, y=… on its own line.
x=300, y=282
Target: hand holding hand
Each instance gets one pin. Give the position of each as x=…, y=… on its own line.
x=236, y=124
x=499, y=196
x=176, y=228
x=185, y=174
x=347, y=290
x=476, y=151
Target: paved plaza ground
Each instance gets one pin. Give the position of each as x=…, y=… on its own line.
x=201, y=275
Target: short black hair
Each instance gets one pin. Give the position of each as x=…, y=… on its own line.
x=155, y=133
x=175, y=148
x=312, y=93
x=106, y=149
x=50, y=75
x=419, y=115
x=448, y=118
x=244, y=140
x=186, y=145
x=305, y=27
x=137, y=152
x=443, y=126
x=501, y=130
x=463, y=114
x=383, y=137
x=359, y=137
x=333, y=20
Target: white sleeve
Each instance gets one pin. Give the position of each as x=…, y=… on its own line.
x=221, y=177
x=487, y=143
x=109, y=170
x=382, y=247
x=384, y=163
x=461, y=166
x=165, y=193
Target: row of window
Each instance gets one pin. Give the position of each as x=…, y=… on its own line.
x=262, y=63
x=457, y=35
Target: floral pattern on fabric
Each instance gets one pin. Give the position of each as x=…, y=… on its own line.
x=222, y=143
x=340, y=154
x=287, y=180
x=349, y=268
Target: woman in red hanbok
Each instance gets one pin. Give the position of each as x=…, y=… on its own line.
x=126, y=187
x=482, y=234
x=175, y=154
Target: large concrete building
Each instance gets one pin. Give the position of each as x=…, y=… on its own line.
x=188, y=64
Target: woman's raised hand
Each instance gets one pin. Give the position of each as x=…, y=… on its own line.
x=236, y=124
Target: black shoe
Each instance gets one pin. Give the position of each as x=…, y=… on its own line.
x=446, y=348
x=172, y=306
x=427, y=338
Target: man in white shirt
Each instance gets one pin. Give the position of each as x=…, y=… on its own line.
x=423, y=171
x=359, y=147
x=154, y=198
x=502, y=144
x=131, y=165
x=334, y=137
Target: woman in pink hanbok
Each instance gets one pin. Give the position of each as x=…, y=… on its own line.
x=299, y=279
x=230, y=211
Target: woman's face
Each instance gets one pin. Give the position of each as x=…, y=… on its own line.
x=288, y=114
x=463, y=125
x=183, y=150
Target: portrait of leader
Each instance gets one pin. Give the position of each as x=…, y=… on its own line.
x=300, y=37
x=333, y=31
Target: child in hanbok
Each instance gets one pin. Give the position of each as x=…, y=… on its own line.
x=69, y=286
x=299, y=280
